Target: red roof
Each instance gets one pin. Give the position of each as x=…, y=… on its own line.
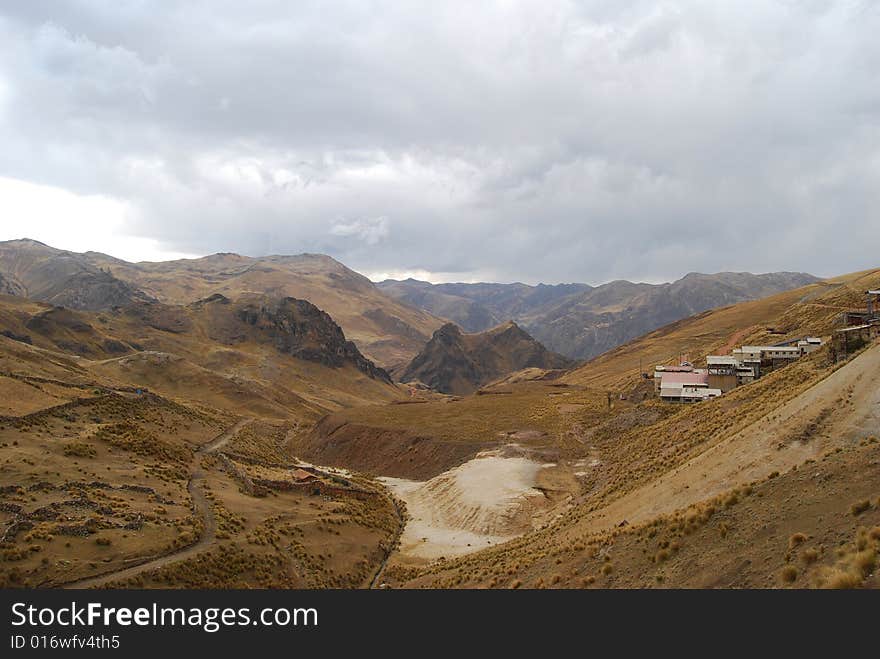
x=684, y=378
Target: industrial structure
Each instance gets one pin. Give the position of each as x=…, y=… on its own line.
x=860, y=327
x=687, y=384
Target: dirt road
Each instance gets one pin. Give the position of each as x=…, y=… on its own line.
x=401, y=524
x=201, y=507
x=222, y=439
x=757, y=451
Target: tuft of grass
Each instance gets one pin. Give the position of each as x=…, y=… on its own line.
x=788, y=574
x=796, y=539
x=859, y=507
x=837, y=578
x=865, y=561
x=809, y=556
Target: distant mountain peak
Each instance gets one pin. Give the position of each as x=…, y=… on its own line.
x=457, y=363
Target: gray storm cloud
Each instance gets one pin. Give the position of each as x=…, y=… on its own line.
x=533, y=141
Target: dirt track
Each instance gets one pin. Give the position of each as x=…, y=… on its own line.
x=223, y=439
x=760, y=449
x=201, y=507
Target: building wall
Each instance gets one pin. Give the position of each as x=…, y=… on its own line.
x=723, y=382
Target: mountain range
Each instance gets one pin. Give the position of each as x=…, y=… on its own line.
x=385, y=330
x=582, y=321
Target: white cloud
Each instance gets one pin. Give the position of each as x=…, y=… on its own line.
x=433, y=277
x=370, y=231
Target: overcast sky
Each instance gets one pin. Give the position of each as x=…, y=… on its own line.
x=530, y=141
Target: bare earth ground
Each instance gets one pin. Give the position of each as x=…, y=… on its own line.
x=485, y=501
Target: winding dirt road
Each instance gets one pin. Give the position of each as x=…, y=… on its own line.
x=222, y=439
x=200, y=505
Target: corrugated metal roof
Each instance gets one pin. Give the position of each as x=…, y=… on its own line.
x=721, y=359
x=767, y=348
x=854, y=328
x=684, y=378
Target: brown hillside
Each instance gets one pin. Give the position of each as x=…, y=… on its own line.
x=385, y=330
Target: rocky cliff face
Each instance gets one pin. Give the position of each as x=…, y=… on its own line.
x=294, y=327
x=456, y=363
x=9, y=286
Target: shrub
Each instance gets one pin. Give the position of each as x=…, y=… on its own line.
x=789, y=574
x=859, y=507
x=796, y=539
x=79, y=450
x=836, y=578
x=809, y=556
x=865, y=561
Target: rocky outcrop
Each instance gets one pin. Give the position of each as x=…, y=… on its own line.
x=9, y=286
x=453, y=362
x=293, y=326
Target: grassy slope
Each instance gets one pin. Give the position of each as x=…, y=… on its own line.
x=818, y=525
x=101, y=478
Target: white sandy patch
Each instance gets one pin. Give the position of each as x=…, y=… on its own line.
x=487, y=500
